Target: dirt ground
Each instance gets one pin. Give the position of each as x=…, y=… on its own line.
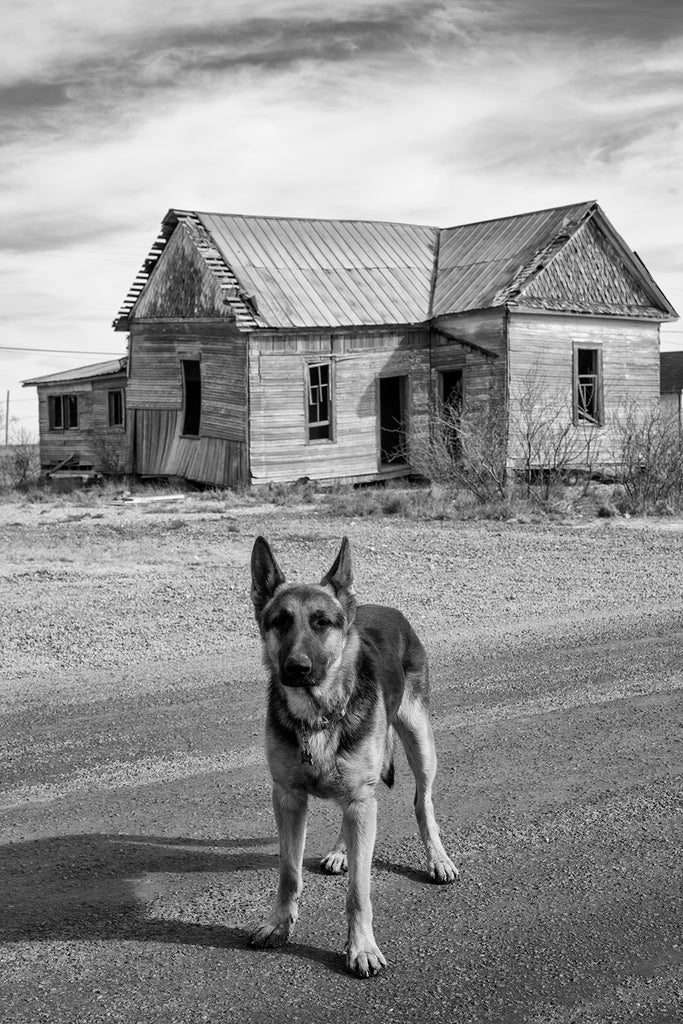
x=138, y=843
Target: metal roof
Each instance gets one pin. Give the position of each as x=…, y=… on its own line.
x=278, y=272
x=485, y=264
x=304, y=273
x=82, y=372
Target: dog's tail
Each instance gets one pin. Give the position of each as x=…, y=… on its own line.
x=387, y=774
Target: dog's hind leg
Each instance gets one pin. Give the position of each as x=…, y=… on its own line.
x=290, y=815
x=335, y=861
x=415, y=731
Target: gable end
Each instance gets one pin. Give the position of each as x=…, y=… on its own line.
x=589, y=275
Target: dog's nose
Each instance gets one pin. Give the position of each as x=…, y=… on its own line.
x=298, y=666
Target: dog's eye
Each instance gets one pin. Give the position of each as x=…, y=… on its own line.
x=281, y=622
x=320, y=622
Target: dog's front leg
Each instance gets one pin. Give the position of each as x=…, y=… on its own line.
x=290, y=808
x=363, y=956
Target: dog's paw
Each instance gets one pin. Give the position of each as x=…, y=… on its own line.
x=271, y=934
x=334, y=863
x=365, y=961
x=443, y=871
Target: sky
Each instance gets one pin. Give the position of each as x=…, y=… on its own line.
x=436, y=113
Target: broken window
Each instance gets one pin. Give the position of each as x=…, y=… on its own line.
x=116, y=407
x=319, y=406
x=192, y=395
x=62, y=411
x=588, y=386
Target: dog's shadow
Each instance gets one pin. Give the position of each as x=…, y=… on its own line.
x=83, y=887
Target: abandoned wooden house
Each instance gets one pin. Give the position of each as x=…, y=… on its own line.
x=671, y=385
x=82, y=420
x=267, y=349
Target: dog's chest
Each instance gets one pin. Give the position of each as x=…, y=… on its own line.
x=316, y=758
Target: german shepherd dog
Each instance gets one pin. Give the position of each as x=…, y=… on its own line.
x=344, y=680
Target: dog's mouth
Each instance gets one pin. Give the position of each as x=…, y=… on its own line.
x=298, y=679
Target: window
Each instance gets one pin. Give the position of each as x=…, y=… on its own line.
x=319, y=404
x=54, y=411
x=192, y=391
x=62, y=411
x=116, y=408
x=588, y=386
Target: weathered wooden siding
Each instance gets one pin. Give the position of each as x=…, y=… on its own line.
x=156, y=352
x=278, y=448
x=541, y=357
x=155, y=394
x=182, y=284
x=96, y=444
x=160, y=450
x=483, y=376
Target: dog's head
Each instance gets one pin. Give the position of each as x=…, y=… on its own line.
x=304, y=626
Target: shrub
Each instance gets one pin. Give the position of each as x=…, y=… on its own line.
x=649, y=458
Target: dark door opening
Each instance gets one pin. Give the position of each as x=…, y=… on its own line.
x=392, y=425
x=451, y=408
x=192, y=388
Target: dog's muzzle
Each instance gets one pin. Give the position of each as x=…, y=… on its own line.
x=298, y=671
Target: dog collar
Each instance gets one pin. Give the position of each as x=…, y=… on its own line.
x=306, y=731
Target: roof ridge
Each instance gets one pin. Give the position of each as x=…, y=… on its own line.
x=310, y=220
x=529, y=213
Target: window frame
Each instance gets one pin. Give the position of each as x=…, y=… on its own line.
x=583, y=416
x=185, y=410
x=111, y=422
x=63, y=407
x=329, y=422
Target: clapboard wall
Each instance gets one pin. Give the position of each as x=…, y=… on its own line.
x=541, y=359
x=278, y=365
x=158, y=347
x=93, y=443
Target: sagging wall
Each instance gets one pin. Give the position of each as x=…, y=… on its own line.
x=218, y=454
x=542, y=364
x=95, y=443
x=279, y=449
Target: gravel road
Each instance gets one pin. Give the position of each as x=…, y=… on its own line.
x=138, y=845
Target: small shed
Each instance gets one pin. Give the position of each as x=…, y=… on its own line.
x=671, y=384
x=84, y=426
x=266, y=349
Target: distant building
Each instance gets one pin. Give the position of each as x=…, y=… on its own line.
x=671, y=384
x=84, y=427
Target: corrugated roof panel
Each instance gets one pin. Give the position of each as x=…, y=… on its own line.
x=306, y=273
x=82, y=372
x=479, y=261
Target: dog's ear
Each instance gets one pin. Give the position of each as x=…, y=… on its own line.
x=266, y=575
x=340, y=579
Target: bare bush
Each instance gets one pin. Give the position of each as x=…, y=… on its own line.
x=649, y=457
x=20, y=459
x=544, y=441
x=465, y=449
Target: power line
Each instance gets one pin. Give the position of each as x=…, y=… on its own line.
x=61, y=351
